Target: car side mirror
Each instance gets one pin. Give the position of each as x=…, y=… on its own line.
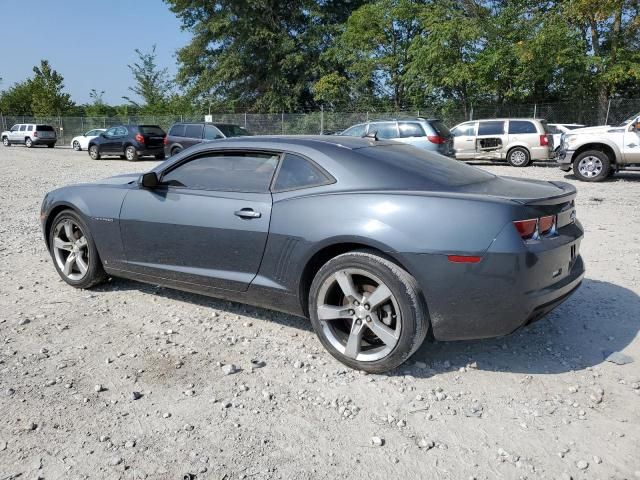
x=148, y=180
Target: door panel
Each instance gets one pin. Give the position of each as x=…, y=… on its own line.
x=490, y=139
x=464, y=140
x=196, y=236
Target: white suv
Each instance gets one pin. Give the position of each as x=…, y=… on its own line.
x=30, y=134
x=516, y=140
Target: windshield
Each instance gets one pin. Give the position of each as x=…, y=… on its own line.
x=629, y=120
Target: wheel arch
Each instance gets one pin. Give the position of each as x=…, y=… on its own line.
x=605, y=148
x=511, y=147
x=53, y=213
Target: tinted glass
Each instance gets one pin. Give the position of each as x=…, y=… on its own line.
x=30, y=127
x=111, y=132
x=232, y=130
x=355, y=131
x=193, y=131
x=521, y=126
x=298, y=172
x=410, y=129
x=384, y=130
x=421, y=167
x=232, y=172
x=440, y=128
x=491, y=128
x=177, y=131
x=552, y=129
x=23, y=128
x=44, y=128
x=212, y=133
x=121, y=132
x=465, y=130
x=151, y=130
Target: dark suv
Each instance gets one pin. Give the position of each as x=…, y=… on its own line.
x=130, y=142
x=184, y=134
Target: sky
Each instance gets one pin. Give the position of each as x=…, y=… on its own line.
x=90, y=43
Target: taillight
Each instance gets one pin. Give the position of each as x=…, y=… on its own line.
x=436, y=139
x=546, y=224
x=165, y=140
x=544, y=141
x=526, y=228
x=35, y=134
x=139, y=138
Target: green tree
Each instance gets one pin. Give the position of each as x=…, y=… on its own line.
x=48, y=97
x=17, y=99
x=152, y=84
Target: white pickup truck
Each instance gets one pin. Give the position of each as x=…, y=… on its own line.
x=596, y=153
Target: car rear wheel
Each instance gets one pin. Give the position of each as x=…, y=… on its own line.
x=74, y=252
x=28, y=143
x=367, y=311
x=130, y=153
x=94, y=152
x=591, y=166
x=176, y=150
x=518, y=157
x=76, y=146
x=6, y=142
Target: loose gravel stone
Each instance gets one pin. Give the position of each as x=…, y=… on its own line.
x=377, y=441
x=229, y=369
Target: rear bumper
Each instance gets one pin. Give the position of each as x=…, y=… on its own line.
x=501, y=293
x=44, y=141
x=150, y=151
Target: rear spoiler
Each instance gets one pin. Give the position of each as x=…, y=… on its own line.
x=569, y=193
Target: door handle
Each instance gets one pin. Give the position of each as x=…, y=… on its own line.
x=247, y=213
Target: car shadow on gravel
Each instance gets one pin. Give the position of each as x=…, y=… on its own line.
x=600, y=318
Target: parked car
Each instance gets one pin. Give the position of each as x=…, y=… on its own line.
x=81, y=142
x=130, y=142
x=596, y=153
x=377, y=242
x=30, y=134
x=516, y=140
x=185, y=134
x=428, y=134
x=557, y=129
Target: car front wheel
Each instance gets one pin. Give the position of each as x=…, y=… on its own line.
x=592, y=166
x=6, y=142
x=74, y=252
x=94, y=152
x=367, y=311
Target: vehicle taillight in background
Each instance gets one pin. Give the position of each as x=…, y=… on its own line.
x=436, y=139
x=534, y=227
x=544, y=141
x=165, y=140
x=139, y=138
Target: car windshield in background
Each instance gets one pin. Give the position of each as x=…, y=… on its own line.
x=151, y=130
x=233, y=131
x=440, y=128
x=44, y=128
x=430, y=166
x=628, y=120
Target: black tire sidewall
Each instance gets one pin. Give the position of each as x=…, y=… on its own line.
x=95, y=273
x=134, y=157
x=94, y=148
x=407, y=294
x=519, y=149
x=6, y=142
x=606, y=166
x=78, y=146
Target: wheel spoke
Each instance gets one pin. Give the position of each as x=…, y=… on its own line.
x=62, y=245
x=82, y=242
x=355, y=339
x=68, y=230
x=379, y=295
x=346, y=285
x=82, y=265
x=68, y=264
x=332, y=312
x=384, y=333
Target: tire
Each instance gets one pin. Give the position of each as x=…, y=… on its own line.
x=130, y=153
x=518, y=157
x=76, y=146
x=51, y=145
x=160, y=156
x=66, y=240
x=402, y=317
x=94, y=152
x=28, y=142
x=176, y=150
x=591, y=166
x=6, y=142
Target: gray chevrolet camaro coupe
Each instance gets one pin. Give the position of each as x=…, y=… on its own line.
x=378, y=243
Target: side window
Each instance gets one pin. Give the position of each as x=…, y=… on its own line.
x=15, y=128
x=490, y=128
x=384, y=129
x=231, y=172
x=552, y=129
x=355, y=131
x=111, y=132
x=298, y=172
x=193, y=131
x=121, y=131
x=212, y=133
x=29, y=128
x=23, y=128
x=464, y=130
x=521, y=126
x=177, y=131
x=410, y=129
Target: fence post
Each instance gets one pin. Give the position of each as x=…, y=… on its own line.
x=321, y=119
x=535, y=110
x=606, y=120
x=104, y=122
x=282, y=122
x=245, y=119
x=367, y=115
x=471, y=112
x=82, y=124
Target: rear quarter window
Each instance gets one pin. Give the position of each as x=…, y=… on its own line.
x=193, y=131
x=177, y=131
x=521, y=126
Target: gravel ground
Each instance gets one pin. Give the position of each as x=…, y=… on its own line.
x=541, y=403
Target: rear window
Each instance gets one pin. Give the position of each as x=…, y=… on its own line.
x=232, y=130
x=44, y=128
x=151, y=130
x=521, y=126
x=193, y=131
x=177, y=131
x=420, y=166
x=440, y=128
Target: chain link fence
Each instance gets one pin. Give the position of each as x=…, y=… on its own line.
x=587, y=112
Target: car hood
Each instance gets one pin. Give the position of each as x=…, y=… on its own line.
x=123, y=179
x=595, y=130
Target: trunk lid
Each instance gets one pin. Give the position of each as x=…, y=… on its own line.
x=153, y=135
